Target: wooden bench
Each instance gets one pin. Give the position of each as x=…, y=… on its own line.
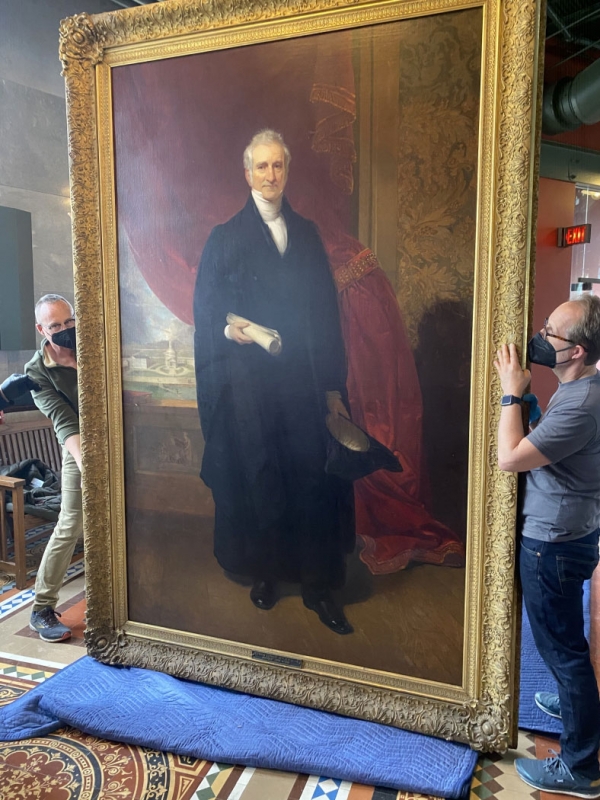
x=23, y=435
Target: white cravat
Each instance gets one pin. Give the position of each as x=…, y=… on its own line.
x=273, y=219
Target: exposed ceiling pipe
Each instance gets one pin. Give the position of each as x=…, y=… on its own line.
x=566, y=26
x=559, y=23
x=571, y=102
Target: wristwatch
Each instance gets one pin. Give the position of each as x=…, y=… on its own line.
x=509, y=400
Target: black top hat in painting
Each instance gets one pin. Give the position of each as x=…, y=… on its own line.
x=353, y=454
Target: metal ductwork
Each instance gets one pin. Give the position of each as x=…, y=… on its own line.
x=571, y=102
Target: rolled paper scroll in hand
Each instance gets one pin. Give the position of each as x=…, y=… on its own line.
x=267, y=338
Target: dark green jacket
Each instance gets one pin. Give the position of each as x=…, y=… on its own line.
x=57, y=399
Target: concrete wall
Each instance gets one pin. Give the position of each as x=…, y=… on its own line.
x=17, y=319
x=34, y=174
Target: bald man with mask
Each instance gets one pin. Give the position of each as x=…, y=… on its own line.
x=560, y=530
x=54, y=370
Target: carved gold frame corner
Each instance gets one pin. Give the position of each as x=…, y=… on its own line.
x=482, y=713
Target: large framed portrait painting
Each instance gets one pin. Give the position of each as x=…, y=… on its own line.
x=300, y=231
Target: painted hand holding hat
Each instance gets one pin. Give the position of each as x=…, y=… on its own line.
x=353, y=454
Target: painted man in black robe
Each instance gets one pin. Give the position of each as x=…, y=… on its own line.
x=279, y=516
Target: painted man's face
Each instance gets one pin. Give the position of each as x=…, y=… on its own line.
x=268, y=174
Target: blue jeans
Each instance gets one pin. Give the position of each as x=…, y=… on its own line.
x=552, y=576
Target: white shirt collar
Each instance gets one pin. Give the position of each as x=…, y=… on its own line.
x=269, y=211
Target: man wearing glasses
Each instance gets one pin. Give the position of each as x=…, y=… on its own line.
x=559, y=543
x=54, y=370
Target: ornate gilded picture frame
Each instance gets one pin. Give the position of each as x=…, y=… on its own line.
x=234, y=533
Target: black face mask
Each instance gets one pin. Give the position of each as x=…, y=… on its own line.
x=540, y=351
x=65, y=338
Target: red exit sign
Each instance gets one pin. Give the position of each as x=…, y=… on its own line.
x=576, y=234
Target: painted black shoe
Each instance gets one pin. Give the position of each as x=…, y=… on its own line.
x=263, y=595
x=45, y=622
x=329, y=613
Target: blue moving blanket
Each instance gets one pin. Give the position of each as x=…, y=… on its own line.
x=147, y=708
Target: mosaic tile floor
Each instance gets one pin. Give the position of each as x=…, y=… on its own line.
x=59, y=766
x=48, y=767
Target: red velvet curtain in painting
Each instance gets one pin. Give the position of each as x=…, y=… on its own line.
x=181, y=126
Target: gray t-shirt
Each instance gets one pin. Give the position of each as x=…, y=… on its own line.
x=562, y=499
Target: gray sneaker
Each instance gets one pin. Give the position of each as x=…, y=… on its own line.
x=553, y=775
x=548, y=703
x=46, y=624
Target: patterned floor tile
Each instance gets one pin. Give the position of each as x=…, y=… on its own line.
x=19, y=600
x=323, y=788
x=495, y=777
x=28, y=673
x=330, y=789
x=309, y=788
x=213, y=781
x=242, y=783
x=381, y=793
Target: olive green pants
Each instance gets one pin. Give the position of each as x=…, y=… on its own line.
x=60, y=547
